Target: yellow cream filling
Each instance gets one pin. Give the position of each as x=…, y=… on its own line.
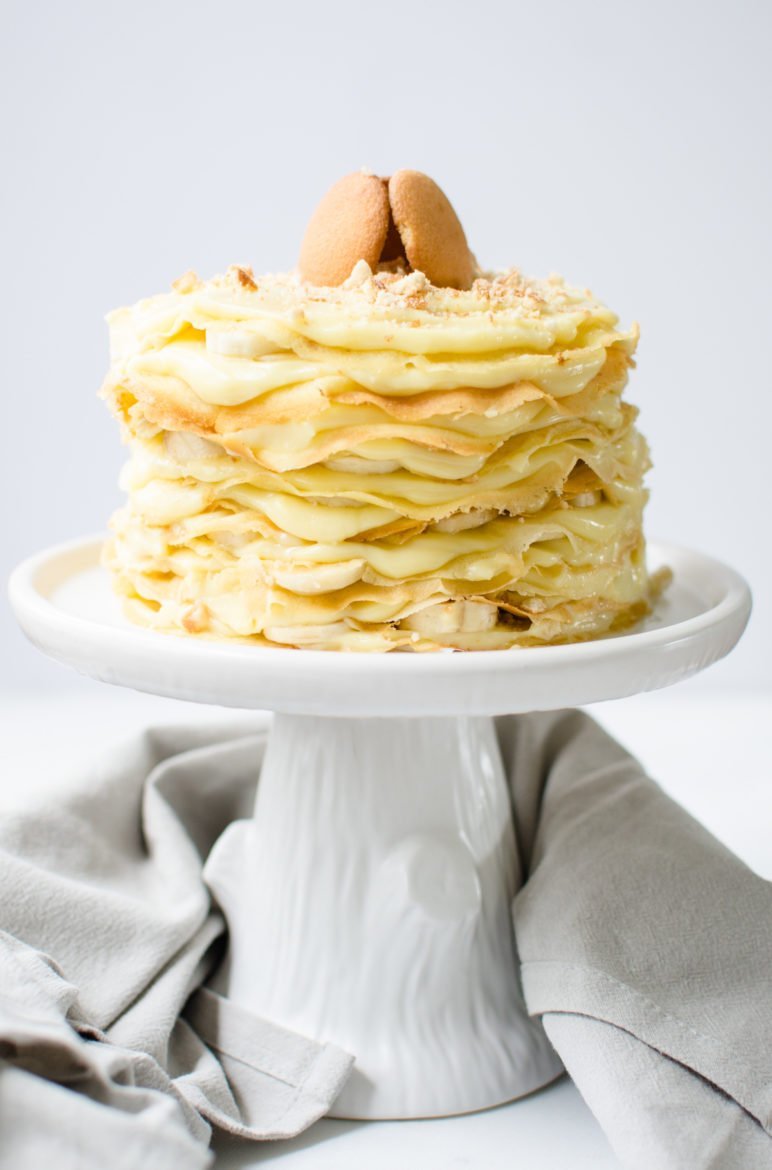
x=318, y=467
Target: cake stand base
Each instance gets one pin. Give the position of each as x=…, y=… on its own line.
x=369, y=898
x=368, y=903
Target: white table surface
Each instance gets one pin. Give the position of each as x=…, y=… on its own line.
x=709, y=749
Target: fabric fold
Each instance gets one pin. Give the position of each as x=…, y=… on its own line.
x=109, y=929
x=646, y=950
x=579, y=990
x=634, y=916
x=292, y=1080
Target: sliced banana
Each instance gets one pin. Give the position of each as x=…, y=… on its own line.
x=334, y=501
x=320, y=578
x=235, y=541
x=305, y=635
x=186, y=447
x=464, y=520
x=235, y=342
x=167, y=501
x=586, y=499
x=453, y=617
x=356, y=465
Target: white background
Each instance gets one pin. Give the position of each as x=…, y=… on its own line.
x=626, y=146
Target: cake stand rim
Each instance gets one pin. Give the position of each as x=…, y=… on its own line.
x=710, y=633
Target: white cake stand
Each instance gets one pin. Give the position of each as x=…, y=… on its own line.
x=368, y=900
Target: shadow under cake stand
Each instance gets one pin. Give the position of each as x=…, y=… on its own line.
x=368, y=900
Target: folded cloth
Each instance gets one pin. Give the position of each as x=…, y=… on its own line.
x=106, y=928
x=646, y=949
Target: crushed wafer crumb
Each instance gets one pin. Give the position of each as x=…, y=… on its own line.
x=245, y=276
x=188, y=282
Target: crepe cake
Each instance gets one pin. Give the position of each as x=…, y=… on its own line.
x=385, y=449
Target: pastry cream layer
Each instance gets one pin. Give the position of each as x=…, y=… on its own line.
x=381, y=465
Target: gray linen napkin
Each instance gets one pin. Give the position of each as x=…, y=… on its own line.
x=646, y=949
x=106, y=928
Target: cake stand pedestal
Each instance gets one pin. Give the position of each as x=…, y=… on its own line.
x=368, y=902
x=368, y=898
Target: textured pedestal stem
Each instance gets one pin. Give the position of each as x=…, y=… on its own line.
x=368, y=904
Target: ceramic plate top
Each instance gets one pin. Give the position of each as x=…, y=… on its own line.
x=64, y=603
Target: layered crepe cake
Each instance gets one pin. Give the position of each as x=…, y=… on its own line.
x=376, y=456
